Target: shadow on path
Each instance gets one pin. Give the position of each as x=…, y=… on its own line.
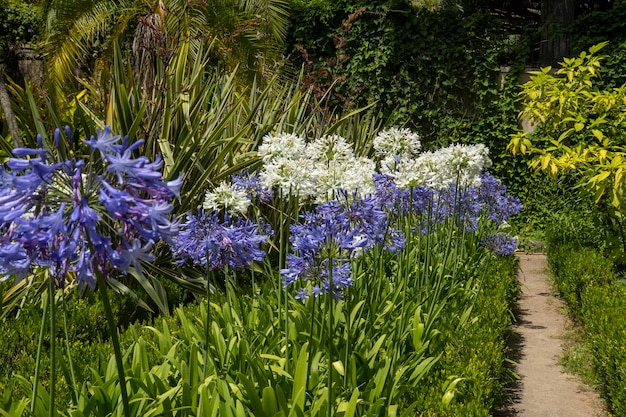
x=534, y=349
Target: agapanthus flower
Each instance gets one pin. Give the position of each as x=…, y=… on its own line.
x=253, y=185
x=290, y=176
x=332, y=176
x=500, y=244
x=216, y=241
x=315, y=170
x=283, y=145
x=397, y=141
x=460, y=204
x=497, y=203
x=459, y=165
x=229, y=197
x=329, y=237
x=81, y=218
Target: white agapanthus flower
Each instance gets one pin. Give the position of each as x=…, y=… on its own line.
x=454, y=165
x=392, y=142
x=318, y=169
x=415, y=172
x=463, y=164
x=229, y=197
x=330, y=148
x=354, y=175
x=292, y=176
x=284, y=145
x=336, y=168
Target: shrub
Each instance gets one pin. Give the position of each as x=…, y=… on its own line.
x=576, y=270
x=604, y=314
x=476, y=354
x=595, y=297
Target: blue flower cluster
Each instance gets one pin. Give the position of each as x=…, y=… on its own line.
x=396, y=200
x=78, y=217
x=252, y=184
x=499, y=243
x=218, y=241
x=329, y=237
x=462, y=204
x=497, y=203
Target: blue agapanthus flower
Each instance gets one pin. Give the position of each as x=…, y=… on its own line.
x=253, y=185
x=329, y=237
x=497, y=203
x=219, y=241
x=500, y=244
x=459, y=204
x=82, y=216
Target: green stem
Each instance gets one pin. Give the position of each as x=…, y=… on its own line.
x=108, y=312
x=33, y=402
x=330, y=338
x=53, y=327
x=207, y=325
x=69, y=354
x=311, y=330
x=347, y=347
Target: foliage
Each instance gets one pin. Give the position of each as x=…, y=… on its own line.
x=607, y=24
x=597, y=299
x=474, y=359
x=428, y=70
x=577, y=269
x=237, y=33
x=20, y=22
x=579, y=128
x=399, y=272
x=603, y=309
x=247, y=371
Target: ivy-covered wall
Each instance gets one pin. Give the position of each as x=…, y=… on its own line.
x=433, y=71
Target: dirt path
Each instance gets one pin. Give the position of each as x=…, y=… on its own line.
x=544, y=390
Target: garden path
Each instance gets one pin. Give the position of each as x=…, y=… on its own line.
x=544, y=390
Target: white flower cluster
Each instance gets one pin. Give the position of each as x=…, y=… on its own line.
x=393, y=142
x=459, y=165
x=229, y=197
x=394, y=145
x=319, y=169
x=286, y=165
x=316, y=170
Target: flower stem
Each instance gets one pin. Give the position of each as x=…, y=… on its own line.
x=53, y=326
x=33, y=402
x=73, y=384
x=330, y=338
x=104, y=296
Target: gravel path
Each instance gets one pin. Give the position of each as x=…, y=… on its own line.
x=544, y=390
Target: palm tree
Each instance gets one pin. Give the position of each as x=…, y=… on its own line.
x=238, y=32
x=5, y=104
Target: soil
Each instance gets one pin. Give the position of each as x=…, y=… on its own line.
x=537, y=344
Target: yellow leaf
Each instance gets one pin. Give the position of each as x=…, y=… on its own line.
x=338, y=365
x=545, y=160
x=579, y=126
x=598, y=134
x=554, y=169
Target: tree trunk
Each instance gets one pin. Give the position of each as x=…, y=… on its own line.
x=556, y=17
x=5, y=102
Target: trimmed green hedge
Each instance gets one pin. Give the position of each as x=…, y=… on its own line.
x=597, y=299
x=477, y=352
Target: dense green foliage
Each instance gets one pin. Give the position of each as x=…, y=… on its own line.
x=595, y=297
x=463, y=346
x=476, y=354
x=580, y=132
x=433, y=71
x=19, y=21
